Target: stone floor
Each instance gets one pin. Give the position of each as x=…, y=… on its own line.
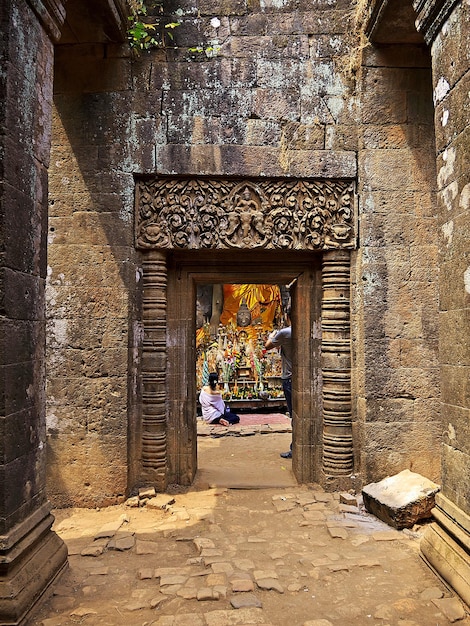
x=220, y=555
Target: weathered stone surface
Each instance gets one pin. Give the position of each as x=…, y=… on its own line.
x=162, y=501
x=348, y=499
x=124, y=542
x=401, y=500
x=92, y=550
x=207, y=593
x=146, y=547
x=337, y=532
x=452, y=608
x=245, y=600
x=270, y=584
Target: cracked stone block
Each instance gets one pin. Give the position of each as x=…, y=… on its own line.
x=401, y=500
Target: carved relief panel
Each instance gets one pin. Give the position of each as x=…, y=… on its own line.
x=269, y=214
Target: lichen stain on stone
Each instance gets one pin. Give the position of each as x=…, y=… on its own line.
x=464, y=202
x=447, y=169
x=445, y=118
x=466, y=279
x=448, y=232
x=449, y=194
x=126, y=210
x=270, y=4
x=52, y=422
x=441, y=90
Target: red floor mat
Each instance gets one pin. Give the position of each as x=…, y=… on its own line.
x=250, y=419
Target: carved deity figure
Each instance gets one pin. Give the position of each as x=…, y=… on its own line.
x=246, y=222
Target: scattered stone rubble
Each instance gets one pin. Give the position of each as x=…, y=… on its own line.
x=229, y=566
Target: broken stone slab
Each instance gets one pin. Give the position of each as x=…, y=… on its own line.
x=188, y=593
x=247, y=432
x=162, y=501
x=242, y=585
x=83, y=611
x=203, y=543
x=133, y=501
x=109, y=530
x=431, y=593
x=157, y=601
x=227, y=617
x=348, y=508
x=207, y=594
x=222, y=591
x=348, y=499
x=146, y=547
x=147, y=492
x=338, y=533
x=172, y=580
x=122, y=543
x=451, y=607
x=245, y=600
x=145, y=574
x=270, y=584
x=92, y=550
x=401, y=500
x=282, y=506
x=136, y=605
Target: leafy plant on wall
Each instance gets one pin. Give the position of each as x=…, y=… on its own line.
x=147, y=28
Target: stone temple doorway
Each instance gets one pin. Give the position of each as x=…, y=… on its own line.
x=185, y=272
x=194, y=232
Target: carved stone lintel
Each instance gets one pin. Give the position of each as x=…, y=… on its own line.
x=267, y=214
x=336, y=364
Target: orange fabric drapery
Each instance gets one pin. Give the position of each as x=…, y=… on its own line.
x=262, y=300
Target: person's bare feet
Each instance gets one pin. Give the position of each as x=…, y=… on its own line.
x=224, y=422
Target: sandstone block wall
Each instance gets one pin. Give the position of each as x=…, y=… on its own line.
x=395, y=334
x=92, y=278
x=279, y=95
x=451, y=93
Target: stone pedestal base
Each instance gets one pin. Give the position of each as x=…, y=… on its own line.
x=446, y=546
x=31, y=557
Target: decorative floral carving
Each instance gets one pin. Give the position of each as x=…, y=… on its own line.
x=270, y=214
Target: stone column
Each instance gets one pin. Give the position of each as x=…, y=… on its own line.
x=336, y=368
x=154, y=356
x=31, y=555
